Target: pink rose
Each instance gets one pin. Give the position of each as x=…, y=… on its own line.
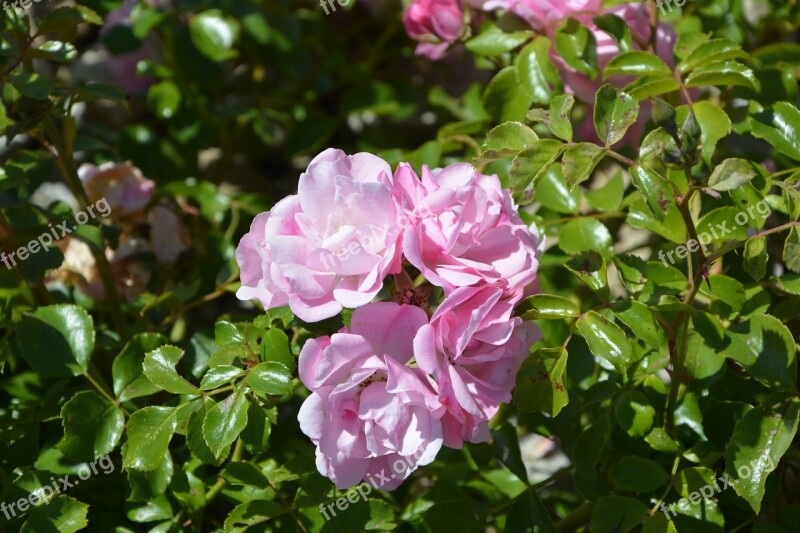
x=370, y=416
x=473, y=347
x=168, y=236
x=123, y=186
x=328, y=247
x=546, y=14
x=465, y=230
x=436, y=23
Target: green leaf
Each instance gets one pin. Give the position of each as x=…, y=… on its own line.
x=635, y=414
x=559, y=121
x=195, y=439
x=650, y=86
x=636, y=63
x=214, y=34
x=270, y=378
x=149, y=485
x=529, y=167
x=618, y=514
x=780, y=127
x=655, y=189
x=164, y=99
x=579, y=162
x=757, y=445
x=765, y=347
x=526, y=512
x=149, y=432
x=710, y=52
x=660, y=441
x=590, y=268
x=719, y=225
x=540, y=382
x=617, y=28
x=791, y=250
x=504, y=98
x=92, y=426
x=642, y=321
x=62, y=514
x=219, y=376
x=507, y=139
x=755, y=257
x=607, y=197
x=722, y=73
x=606, y=340
x=129, y=381
x=225, y=421
x=577, y=47
x=552, y=192
x=57, y=340
x=637, y=474
x=252, y=513
x=614, y=113
x=536, y=72
x=731, y=174
x=275, y=347
x=549, y=306
x=31, y=84
x=506, y=450
x=584, y=234
x=494, y=41
x=632, y=271
x=159, y=367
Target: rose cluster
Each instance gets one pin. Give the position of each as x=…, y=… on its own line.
x=437, y=24
x=402, y=379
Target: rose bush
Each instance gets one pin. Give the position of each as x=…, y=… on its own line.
x=414, y=265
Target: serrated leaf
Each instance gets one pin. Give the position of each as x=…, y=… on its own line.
x=494, y=41
x=57, y=340
x=606, y=340
x=62, y=514
x=636, y=63
x=614, y=113
x=225, y=421
x=579, y=162
x=129, y=381
x=159, y=367
x=92, y=426
x=149, y=433
x=765, y=347
x=535, y=70
x=779, y=126
x=529, y=166
x=270, y=378
x=577, y=46
x=791, y=250
x=548, y=306
x=722, y=73
x=655, y=190
x=559, y=119
x=540, y=382
x=507, y=139
x=731, y=174
x=757, y=445
x=710, y=52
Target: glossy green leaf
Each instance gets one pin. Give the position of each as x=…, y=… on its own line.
x=577, y=46
x=159, y=367
x=549, y=306
x=559, y=121
x=780, y=127
x=710, y=52
x=529, y=167
x=535, y=71
x=635, y=414
x=507, y=139
x=606, y=340
x=504, y=97
x=791, y=250
x=590, y=268
x=636, y=474
x=731, y=174
x=756, y=257
x=214, y=34
x=756, y=447
x=541, y=382
x=618, y=514
x=722, y=73
x=219, y=376
x=579, y=162
x=655, y=189
x=57, y=340
x=127, y=372
x=765, y=347
x=225, y=421
x=584, y=234
x=92, y=426
x=614, y=113
x=62, y=514
x=149, y=431
x=270, y=378
x=642, y=321
x=495, y=41
x=636, y=63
